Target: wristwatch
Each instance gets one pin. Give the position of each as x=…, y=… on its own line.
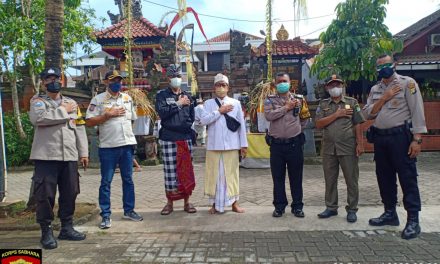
x=418, y=140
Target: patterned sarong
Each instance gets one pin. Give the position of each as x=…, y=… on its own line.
x=178, y=169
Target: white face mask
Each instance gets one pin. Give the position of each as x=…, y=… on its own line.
x=176, y=82
x=335, y=92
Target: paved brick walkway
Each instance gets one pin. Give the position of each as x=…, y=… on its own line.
x=238, y=247
x=255, y=185
x=153, y=242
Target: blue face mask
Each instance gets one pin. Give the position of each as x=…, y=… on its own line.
x=115, y=87
x=385, y=72
x=283, y=87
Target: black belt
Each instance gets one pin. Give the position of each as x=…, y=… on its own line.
x=286, y=140
x=392, y=131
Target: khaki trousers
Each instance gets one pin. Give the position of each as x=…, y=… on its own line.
x=350, y=169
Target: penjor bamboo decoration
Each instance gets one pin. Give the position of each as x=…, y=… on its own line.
x=128, y=44
x=269, y=39
x=140, y=99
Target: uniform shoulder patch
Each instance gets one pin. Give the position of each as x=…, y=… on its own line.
x=92, y=107
x=38, y=103
x=267, y=101
x=412, y=87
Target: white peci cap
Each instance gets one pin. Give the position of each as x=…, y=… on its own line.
x=220, y=77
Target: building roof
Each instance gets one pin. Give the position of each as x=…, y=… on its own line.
x=419, y=26
x=98, y=54
x=140, y=28
x=289, y=47
x=433, y=58
x=225, y=37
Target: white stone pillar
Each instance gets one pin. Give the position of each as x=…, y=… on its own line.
x=205, y=61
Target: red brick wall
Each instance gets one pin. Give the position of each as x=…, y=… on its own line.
x=430, y=142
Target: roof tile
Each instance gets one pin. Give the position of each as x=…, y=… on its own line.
x=420, y=25
x=140, y=28
x=287, y=47
x=225, y=37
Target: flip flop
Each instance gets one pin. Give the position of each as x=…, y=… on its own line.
x=189, y=208
x=168, y=209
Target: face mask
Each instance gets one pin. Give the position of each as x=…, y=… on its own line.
x=386, y=73
x=53, y=87
x=220, y=92
x=335, y=92
x=176, y=82
x=283, y=87
x=115, y=87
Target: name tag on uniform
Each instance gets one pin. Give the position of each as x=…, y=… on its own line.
x=171, y=101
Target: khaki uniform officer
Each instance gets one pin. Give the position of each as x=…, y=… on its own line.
x=396, y=106
x=287, y=114
x=339, y=116
x=113, y=112
x=60, y=140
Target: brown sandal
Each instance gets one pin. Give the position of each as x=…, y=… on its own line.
x=189, y=208
x=168, y=209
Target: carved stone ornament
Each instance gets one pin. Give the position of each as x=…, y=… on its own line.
x=282, y=34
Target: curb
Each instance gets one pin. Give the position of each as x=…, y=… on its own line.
x=56, y=225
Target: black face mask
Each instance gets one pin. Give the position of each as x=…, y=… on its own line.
x=386, y=73
x=53, y=87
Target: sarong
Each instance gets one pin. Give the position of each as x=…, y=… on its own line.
x=222, y=178
x=178, y=169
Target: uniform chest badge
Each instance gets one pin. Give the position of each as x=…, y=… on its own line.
x=395, y=103
x=412, y=87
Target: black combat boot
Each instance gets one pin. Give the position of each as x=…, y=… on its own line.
x=68, y=233
x=389, y=217
x=412, y=228
x=47, y=239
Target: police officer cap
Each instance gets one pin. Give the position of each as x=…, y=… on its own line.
x=112, y=74
x=50, y=71
x=334, y=78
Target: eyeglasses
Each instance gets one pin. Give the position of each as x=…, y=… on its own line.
x=219, y=84
x=386, y=65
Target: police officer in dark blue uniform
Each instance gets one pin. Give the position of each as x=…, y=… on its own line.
x=396, y=105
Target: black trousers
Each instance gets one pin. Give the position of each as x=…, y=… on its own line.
x=290, y=156
x=391, y=156
x=48, y=175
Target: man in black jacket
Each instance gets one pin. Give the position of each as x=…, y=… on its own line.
x=176, y=111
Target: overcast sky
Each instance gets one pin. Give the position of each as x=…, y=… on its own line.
x=400, y=14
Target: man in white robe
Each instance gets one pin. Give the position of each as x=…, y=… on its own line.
x=223, y=148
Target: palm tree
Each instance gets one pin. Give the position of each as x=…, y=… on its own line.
x=53, y=33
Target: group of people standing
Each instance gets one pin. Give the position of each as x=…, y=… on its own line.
x=60, y=141
x=225, y=143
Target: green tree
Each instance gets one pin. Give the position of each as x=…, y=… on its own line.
x=354, y=40
x=22, y=40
